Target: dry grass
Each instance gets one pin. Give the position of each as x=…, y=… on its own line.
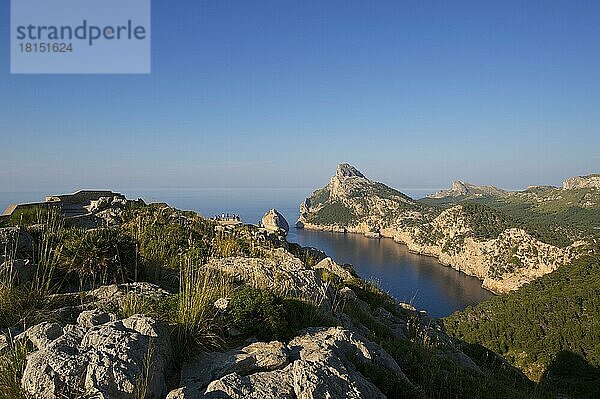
x=195, y=317
x=12, y=365
x=23, y=304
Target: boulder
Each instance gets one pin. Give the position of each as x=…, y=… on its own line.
x=279, y=272
x=254, y=358
x=41, y=335
x=320, y=363
x=113, y=360
x=331, y=266
x=274, y=222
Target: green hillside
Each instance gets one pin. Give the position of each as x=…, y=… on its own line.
x=550, y=328
x=553, y=215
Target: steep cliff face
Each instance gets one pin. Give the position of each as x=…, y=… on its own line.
x=474, y=239
x=589, y=181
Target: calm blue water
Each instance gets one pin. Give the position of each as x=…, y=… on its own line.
x=412, y=278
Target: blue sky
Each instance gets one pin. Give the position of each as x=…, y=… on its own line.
x=276, y=93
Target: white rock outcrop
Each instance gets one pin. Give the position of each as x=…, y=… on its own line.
x=577, y=182
x=274, y=222
x=320, y=363
x=279, y=272
x=110, y=361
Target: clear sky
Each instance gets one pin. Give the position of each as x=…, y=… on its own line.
x=276, y=93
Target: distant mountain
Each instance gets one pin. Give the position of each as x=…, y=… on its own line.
x=504, y=249
x=460, y=188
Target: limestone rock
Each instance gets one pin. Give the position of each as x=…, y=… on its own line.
x=269, y=356
x=280, y=272
x=94, y=317
x=221, y=303
x=108, y=360
x=105, y=297
x=347, y=170
x=274, y=222
x=320, y=363
x=331, y=266
x=41, y=335
x=254, y=358
x=589, y=181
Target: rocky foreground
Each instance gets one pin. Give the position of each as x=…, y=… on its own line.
x=152, y=302
x=471, y=238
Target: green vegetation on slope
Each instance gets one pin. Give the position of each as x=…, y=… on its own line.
x=334, y=213
x=486, y=222
x=434, y=376
x=550, y=328
x=552, y=215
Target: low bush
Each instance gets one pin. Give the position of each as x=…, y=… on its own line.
x=99, y=256
x=21, y=306
x=258, y=312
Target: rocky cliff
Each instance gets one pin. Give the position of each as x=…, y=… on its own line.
x=473, y=239
x=589, y=181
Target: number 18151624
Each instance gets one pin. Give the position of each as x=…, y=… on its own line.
x=46, y=47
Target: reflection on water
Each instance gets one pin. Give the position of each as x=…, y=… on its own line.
x=408, y=277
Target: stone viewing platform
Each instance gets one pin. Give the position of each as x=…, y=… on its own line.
x=226, y=219
x=78, y=208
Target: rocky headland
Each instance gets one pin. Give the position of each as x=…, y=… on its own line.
x=473, y=238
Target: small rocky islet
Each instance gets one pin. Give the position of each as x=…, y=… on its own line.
x=106, y=297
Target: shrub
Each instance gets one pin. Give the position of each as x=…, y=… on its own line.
x=21, y=306
x=258, y=312
x=161, y=308
x=557, y=313
x=23, y=303
x=300, y=315
x=99, y=256
x=30, y=216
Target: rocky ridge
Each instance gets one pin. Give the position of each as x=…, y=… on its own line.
x=121, y=340
x=460, y=188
